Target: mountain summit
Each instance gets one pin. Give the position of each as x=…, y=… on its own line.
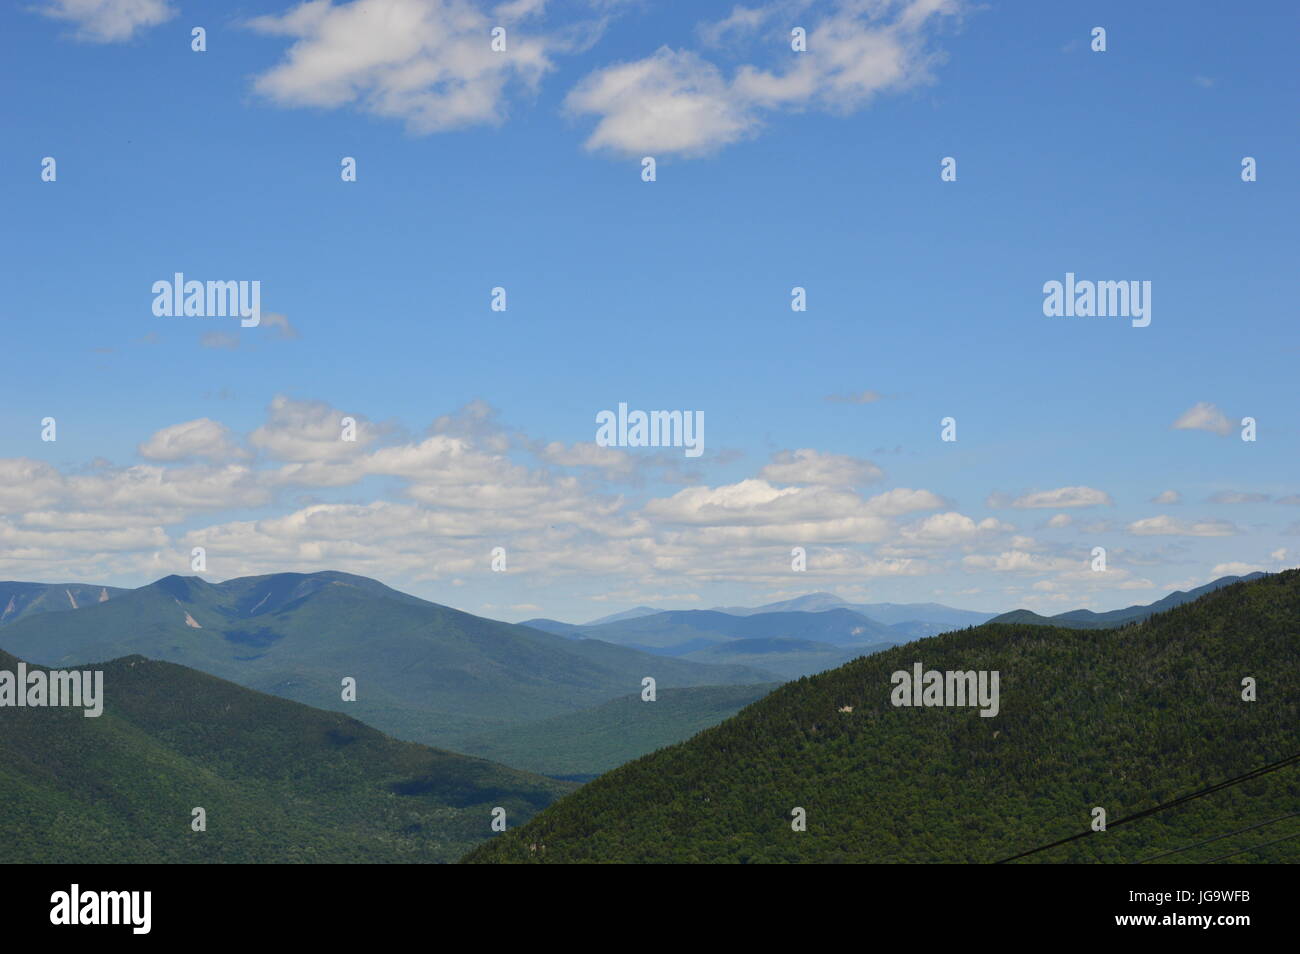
x=423, y=671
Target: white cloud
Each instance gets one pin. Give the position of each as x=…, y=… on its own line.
x=742, y=21
x=199, y=438
x=741, y=502
x=144, y=491
x=1060, y=497
x=952, y=528
x=670, y=102
x=427, y=62
x=1019, y=561
x=1236, y=568
x=903, y=500
x=1171, y=527
x=807, y=466
x=308, y=431
x=15, y=539
x=1203, y=416
x=612, y=461
x=754, y=511
x=431, y=508
x=1167, y=497
x=108, y=21
x=674, y=101
x=460, y=493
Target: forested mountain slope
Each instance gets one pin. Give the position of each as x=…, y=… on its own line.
x=1124, y=719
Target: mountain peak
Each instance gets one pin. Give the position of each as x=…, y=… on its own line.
x=634, y=613
x=179, y=587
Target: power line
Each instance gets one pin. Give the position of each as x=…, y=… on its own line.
x=1248, y=776
x=1239, y=831
x=1256, y=848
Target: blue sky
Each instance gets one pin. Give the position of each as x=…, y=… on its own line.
x=775, y=169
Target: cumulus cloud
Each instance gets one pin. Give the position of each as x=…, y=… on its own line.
x=1171, y=527
x=15, y=539
x=1021, y=561
x=35, y=492
x=755, y=510
x=612, y=461
x=670, y=102
x=427, y=62
x=742, y=503
x=200, y=438
x=741, y=22
x=951, y=528
x=902, y=500
x=430, y=508
x=675, y=101
x=1203, y=416
x=1236, y=568
x=108, y=21
x=308, y=431
x=807, y=466
x=1060, y=497
x=1166, y=497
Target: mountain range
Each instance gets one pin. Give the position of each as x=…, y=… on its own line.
x=424, y=672
x=20, y=600
x=1087, y=619
x=556, y=698
x=278, y=781
x=791, y=638
x=633, y=613
x=819, y=631
x=935, y=614
x=1125, y=719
